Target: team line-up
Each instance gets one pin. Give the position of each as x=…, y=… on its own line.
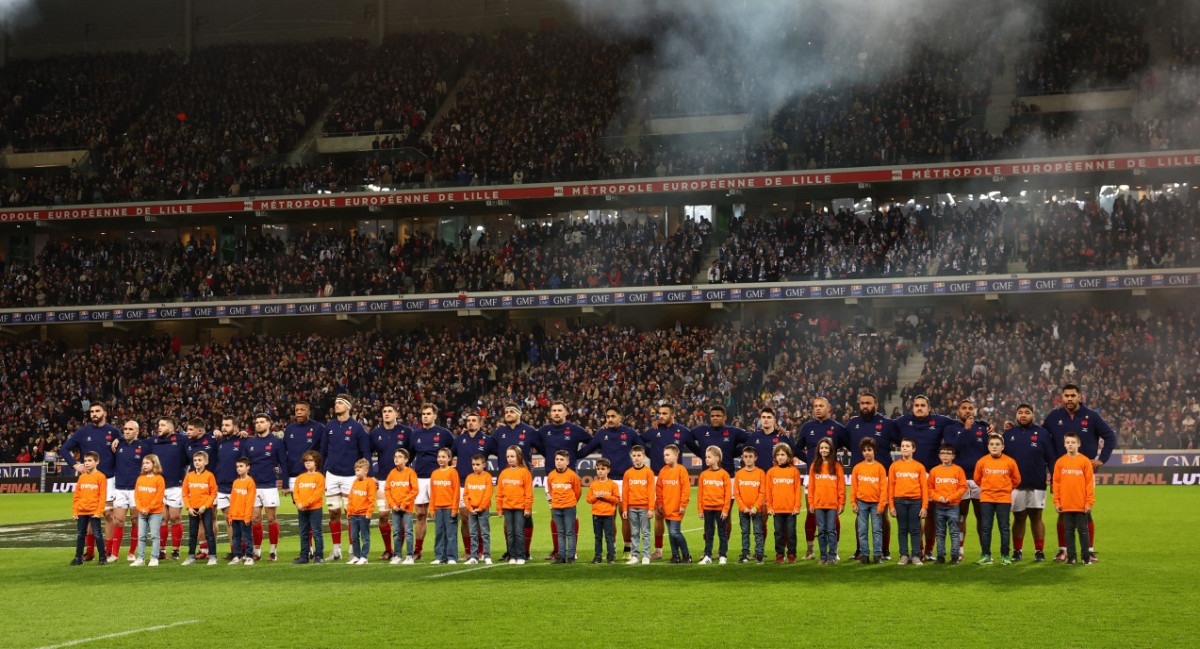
x=946, y=467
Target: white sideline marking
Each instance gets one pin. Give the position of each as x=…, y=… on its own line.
x=117, y=635
x=459, y=572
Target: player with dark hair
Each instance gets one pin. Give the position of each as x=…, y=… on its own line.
x=427, y=439
x=821, y=426
x=666, y=432
x=614, y=442
x=95, y=436
x=386, y=439
x=869, y=423
x=925, y=429
x=561, y=435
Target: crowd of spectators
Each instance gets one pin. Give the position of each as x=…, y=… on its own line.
x=1086, y=46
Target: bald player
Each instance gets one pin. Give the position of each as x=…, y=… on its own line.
x=821, y=426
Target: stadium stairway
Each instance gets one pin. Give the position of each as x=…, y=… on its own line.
x=908, y=374
x=1004, y=91
x=450, y=101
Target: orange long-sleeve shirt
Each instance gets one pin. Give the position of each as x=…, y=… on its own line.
x=785, y=489
x=907, y=479
x=672, y=491
x=639, y=488
x=241, y=499
x=564, y=487
x=947, y=482
x=478, y=491
x=604, y=497
x=826, y=490
x=869, y=483
x=997, y=477
x=514, y=489
x=309, y=490
x=1074, y=483
x=443, y=489
x=716, y=491
x=401, y=489
x=148, y=494
x=362, y=497
x=199, y=490
x=750, y=489
x=91, y=492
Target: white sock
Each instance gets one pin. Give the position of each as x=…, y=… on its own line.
x=272, y=547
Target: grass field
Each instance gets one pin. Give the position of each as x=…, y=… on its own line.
x=1143, y=593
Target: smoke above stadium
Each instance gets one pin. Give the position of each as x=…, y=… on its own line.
x=14, y=13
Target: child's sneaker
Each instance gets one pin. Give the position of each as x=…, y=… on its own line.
x=212, y=561
x=395, y=560
x=916, y=561
x=743, y=559
x=487, y=561
x=1086, y=562
x=984, y=560
x=722, y=561
x=318, y=560
x=633, y=561
x=188, y=561
x=903, y=560
x=520, y=562
x=597, y=560
x=1005, y=560
x=675, y=560
x=955, y=560
x=153, y=562
x=791, y=558
x=353, y=560
x=877, y=559
x=450, y=562
x=706, y=560
x=408, y=561
x=864, y=560
x=1070, y=561
x=686, y=560
x=645, y=561
x=362, y=561
x=472, y=561
x=941, y=559
x=233, y=562
x=436, y=562
x=779, y=558
x=137, y=563
x=887, y=556
x=249, y=561
x=102, y=561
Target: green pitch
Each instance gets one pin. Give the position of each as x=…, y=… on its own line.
x=1141, y=594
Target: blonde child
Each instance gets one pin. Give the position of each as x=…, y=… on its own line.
x=148, y=498
x=514, y=499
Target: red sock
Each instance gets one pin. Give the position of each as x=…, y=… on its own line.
x=1019, y=544
x=335, y=530
x=162, y=536
x=176, y=535
x=627, y=536
x=658, y=541
x=810, y=527
x=466, y=537
x=528, y=539
x=204, y=546
x=118, y=536
x=133, y=537
x=91, y=544
x=1091, y=534
x=1040, y=544
x=420, y=544
x=386, y=532
x=273, y=533
x=257, y=535
x=554, y=535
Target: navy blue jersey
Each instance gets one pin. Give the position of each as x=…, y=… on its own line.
x=1090, y=426
x=1032, y=450
x=267, y=462
x=567, y=437
x=927, y=433
x=726, y=438
x=172, y=454
x=466, y=446
x=879, y=428
x=346, y=442
x=229, y=450
x=204, y=443
x=971, y=444
x=92, y=438
x=657, y=439
x=614, y=445
x=128, y=463
x=764, y=445
x=385, y=442
x=425, y=445
x=813, y=431
x=522, y=436
x=299, y=439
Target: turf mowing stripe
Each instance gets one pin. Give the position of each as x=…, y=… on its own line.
x=117, y=635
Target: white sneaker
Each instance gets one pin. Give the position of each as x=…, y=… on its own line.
x=705, y=561
x=435, y=562
x=234, y=561
x=512, y=562
x=188, y=561
x=451, y=562
x=472, y=561
x=408, y=561
x=353, y=560
x=249, y=562
x=362, y=561
x=212, y=561
x=112, y=558
x=721, y=561
x=396, y=561
x=153, y=562
x=633, y=561
x=137, y=563
x=487, y=561
x=645, y=561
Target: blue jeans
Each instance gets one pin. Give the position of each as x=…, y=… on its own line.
x=478, y=526
x=445, y=539
x=946, y=520
x=679, y=546
x=870, y=528
x=514, y=533
x=85, y=523
x=604, y=528
x=149, y=524
x=194, y=523
x=785, y=534
x=564, y=519
x=998, y=512
x=243, y=544
x=402, y=528
x=360, y=536
x=712, y=521
x=639, y=530
x=752, y=523
x=827, y=539
x=908, y=519
x=311, y=523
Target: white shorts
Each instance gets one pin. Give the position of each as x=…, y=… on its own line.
x=110, y=493
x=338, y=485
x=173, y=497
x=1023, y=499
x=422, y=491
x=222, y=501
x=266, y=497
x=124, y=499
x=381, y=503
x=620, y=488
x=462, y=497
x=291, y=484
x=973, y=491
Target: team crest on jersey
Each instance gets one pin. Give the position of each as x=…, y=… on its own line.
x=878, y=426
x=309, y=433
x=775, y=440
x=1034, y=438
x=622, y=435
x=676, y=435
x=930, y=422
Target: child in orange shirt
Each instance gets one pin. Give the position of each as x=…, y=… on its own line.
x=359, y=508
x=199, y=495
x=672, y=492
x=997, y=476
x=637, y=501
x=868, y=497
x=443, y=500
x=241, y=511
x=148, y=498
x=750, y=491
x=715, y=494
x=785, y=498
x=604, y=496
x=564, y=488
x=1074, y=496
x=827, y=498
x=947, y=486
x=401, y=494
x=307, y=493
x=87, y=506
x=908, y=500
x=514, y=498
x=478, y=490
